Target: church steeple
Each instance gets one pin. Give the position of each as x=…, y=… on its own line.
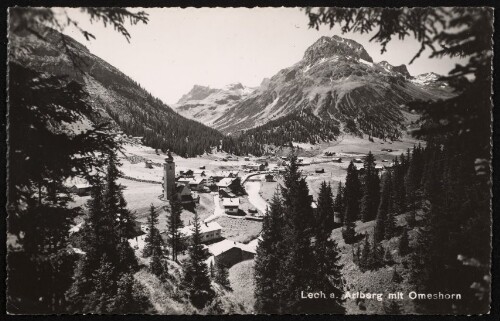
x=169, y=158
x=168, y=176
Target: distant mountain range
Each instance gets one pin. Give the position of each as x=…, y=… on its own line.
x=207, y=104
x=336, y=81
x=335, y=88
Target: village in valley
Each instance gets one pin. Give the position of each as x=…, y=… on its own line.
x=304, y=172
x=231, y=193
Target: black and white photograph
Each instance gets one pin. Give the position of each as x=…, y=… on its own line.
x=234, y=161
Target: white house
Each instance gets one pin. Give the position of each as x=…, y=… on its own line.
x=231, y=205
x=225, y=182
x=208, y=231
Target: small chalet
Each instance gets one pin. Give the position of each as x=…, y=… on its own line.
x=358, y=160
x=247, y=159
x=81, y=189
x=149, y=164
x=229, y=252
x=225, y=182
x=320, y=170
x=197, y=184
x=183, y=193
x=337, y=160
x=208, y=231
x=231, y=205
x=202, y=167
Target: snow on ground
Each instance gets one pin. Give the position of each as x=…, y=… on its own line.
x=252, y=188
x=218, y=210
x=140, y=171
x=140, y=196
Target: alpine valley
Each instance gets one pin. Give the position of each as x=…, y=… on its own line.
x=335, y=89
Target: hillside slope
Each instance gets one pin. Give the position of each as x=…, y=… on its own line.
x=116, y=97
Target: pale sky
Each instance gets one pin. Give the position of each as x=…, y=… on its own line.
x=179, y=48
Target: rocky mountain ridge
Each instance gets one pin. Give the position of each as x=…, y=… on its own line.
x=337, y=81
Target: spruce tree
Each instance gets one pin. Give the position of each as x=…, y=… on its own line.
x=196, y=280
x=153, y=241
x=351, y=202
x=338, y=206
x=390, y=226
x=269, y=258
x=131, y=297
x=298, y=223
x=385, y=224
x=399, y=190
x=324, y=220
x=352, y=194
x=366, y=255
x=222, y=276
x=108, y=255
x=371, y=189
x=174, y=224
x=404, y=244
x=327, y=272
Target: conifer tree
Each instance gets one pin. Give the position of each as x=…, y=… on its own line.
x=212, y=269
x=399, y=190
x=351, y=202
x=108, y=255
x=352, y=194
x=158, y=265
x=371, y=189
x=222, y=276
x=377, y=255
x=413, y=180
x=324, y=221
x=327, y=272
x=366, y=255
x=338, y=206
x=269, y=259
x=297, y=237
x=175, y=223
x=131, y=297
x=196, y=280
x=390, y=226
x=153, y=241
x=404, y=244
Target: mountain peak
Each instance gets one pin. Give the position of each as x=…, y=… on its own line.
x=235, y=86
x=402, y=69
x=326, y=47
x=198, y=92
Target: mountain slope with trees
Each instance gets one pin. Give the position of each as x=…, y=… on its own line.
x=115, y=97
